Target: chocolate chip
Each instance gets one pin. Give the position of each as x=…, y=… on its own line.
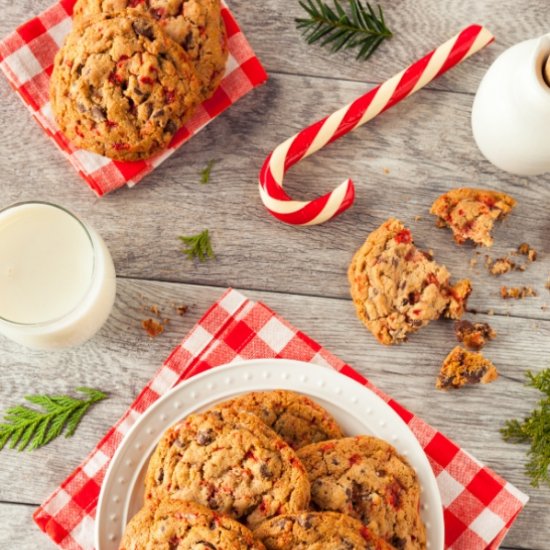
x=143, y=28
x=99, y=113
x=207, y=544
x=81, y=107
x=171, y=127
x=160, y=476
x=399, y=543
x=305, y=521
x=204, y=437
x=213, y=525
x=212, y=503
x=264, y=471
x=158, y=114
x=188, y=41
x=148, y=109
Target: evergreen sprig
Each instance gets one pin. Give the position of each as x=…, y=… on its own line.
x=29, y=428
x=363, y=28
x=198, y=246
x=206, y=172
x=534, y=429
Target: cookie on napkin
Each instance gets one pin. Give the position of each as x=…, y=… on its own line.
x=196, y=25
x=367, y=479
x=180, y=525
x=295, y=417
x=232, y=463
x=120, y=87
x=318, y=530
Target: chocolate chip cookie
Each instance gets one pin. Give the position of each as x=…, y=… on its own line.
x=232, y=463
x=367, y=479
x=120, y=87
x=295, y=417
x=397, y=288
x=471, y=213
x=318, y=531
x=196, y=25
x=180, y=525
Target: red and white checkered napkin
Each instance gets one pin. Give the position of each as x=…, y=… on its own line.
x=479, y=506
x=26, y=58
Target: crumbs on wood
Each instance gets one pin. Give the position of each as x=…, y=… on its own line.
x=517, y=293
x=152, y=327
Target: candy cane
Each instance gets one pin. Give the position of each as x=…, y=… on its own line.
x=325, y=131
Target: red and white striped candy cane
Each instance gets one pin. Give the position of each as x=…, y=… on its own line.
x=363, y=109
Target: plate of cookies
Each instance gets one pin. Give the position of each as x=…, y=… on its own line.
x=270, y=454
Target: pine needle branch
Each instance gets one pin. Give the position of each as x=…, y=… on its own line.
x=29, y=428
x=198, y=246
x=363, y=28
x=534, y=429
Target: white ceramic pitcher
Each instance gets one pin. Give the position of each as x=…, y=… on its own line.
x=511, y=111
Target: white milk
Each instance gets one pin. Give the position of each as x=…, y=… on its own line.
x=57, y=279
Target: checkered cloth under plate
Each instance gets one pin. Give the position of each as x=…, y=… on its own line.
x=479, y=506
x=26, y=58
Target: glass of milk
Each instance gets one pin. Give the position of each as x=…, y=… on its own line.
x=57, y=279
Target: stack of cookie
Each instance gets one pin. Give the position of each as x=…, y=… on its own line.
x=131, y=72
x=273, y=470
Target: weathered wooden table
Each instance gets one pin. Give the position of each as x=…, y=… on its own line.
x=400, y=162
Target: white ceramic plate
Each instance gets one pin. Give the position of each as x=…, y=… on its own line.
x=357, y=409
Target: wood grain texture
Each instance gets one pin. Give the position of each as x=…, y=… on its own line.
x=141, y=225
x=122, y=358
x=400, y=162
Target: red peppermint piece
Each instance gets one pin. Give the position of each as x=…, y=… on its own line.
x=404, y=236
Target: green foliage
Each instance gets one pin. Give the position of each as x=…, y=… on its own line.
x=198, y=246
x=363, y=28
x=535, y=430
x=29, y=428
x=207, y=172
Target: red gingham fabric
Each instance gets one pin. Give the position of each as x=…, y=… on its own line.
x=26, y=58
x=479, y=506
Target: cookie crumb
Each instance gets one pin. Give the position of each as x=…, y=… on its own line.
x=154, y=309
x=182, y=310
x=474, y=335
x=525, y=250
x=517, y=293
x=152, y=327
x=386, y=171
x=501, y=266
x=462, y=367
x=491, y=312
x=473, y=262
x=418, y=218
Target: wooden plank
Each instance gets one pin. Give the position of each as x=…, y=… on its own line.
x=425, y=144
x=122, y=358
x=18, y=530
x=418, y=27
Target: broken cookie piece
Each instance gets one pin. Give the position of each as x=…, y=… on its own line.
x=501, y=266
x=462, y=367
x=471, y=213
x=517, y=293
x=397, y=288
x=474, y=335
